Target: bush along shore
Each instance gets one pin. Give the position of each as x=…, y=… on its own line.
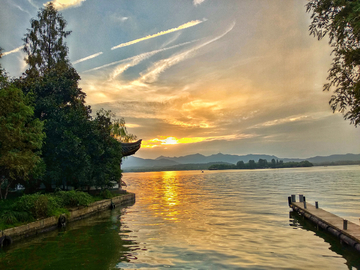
x=35, y=213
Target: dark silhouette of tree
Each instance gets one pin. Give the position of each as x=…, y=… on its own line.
x=240, y=164
x=340, y=20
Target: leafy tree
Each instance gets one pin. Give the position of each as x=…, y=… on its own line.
x=340, y=20
x=53, y=83
x=252, y=164
x=262, y=163
x=21, y=135
x=273, y=163
x=44, y=42
x=106, y=148
x=240, y=164
x=78, y=151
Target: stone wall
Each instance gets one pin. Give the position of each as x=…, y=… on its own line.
x=51, y=223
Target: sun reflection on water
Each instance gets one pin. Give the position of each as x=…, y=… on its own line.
x=168, y=193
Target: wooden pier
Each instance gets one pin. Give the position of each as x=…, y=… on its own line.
x=346, y=231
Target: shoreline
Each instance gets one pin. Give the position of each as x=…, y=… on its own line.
x=7, y=236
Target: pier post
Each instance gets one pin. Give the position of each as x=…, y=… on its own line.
x=304, y=202
x=345, y=223
x=293, y=198
x=316, y=205
x=301, y=198
x=289, y=200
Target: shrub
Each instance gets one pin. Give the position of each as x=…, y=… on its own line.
x=38, y=205
x=23, y=216
x=74, y=198
x=106, y=194
x=26, y=203
x=8, y=217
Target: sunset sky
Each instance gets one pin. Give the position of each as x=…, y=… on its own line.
x=199, y=76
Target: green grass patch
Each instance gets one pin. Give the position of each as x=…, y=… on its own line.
x=23, y=209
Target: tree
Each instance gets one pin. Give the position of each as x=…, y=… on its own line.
x=262, y=163
x=340, y=19
x=44, y=42
x=21, y=136
x=240, y=164
x=252, y=164
x=53, y=83
x=104, y=152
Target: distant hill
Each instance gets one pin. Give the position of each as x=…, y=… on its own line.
x=198, y=158
x=201, y=162
x=334, y=158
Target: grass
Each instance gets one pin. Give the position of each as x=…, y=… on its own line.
x=20, y=209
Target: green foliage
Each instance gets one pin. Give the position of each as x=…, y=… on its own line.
x=106, y=194
x=74, y=198
x=8, y=217
x=28, y=208
x=21, y=136
x=222, y=167
x=78, y=151
x=45, y=205
x=38, y=205
x=340, y=19
x=44, y=42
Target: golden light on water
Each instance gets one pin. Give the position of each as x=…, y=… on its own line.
x=165, y=202
x=170, y=194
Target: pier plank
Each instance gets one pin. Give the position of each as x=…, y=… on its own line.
x=336, y=222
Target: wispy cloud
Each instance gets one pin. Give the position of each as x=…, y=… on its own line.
x=64, y=4
x=20, y=8
x=33, y=4
x=183, y=26
x=159, y=67
x=286, y=120
x=87, y=58
x=138, y=58
x=13, y=51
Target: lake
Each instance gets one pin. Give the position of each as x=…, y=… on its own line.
x=234, y=219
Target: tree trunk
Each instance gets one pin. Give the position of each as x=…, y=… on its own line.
x=1, y=182
x=7, y=189
x=120, y=187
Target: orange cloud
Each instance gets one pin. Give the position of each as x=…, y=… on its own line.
x=163, y=140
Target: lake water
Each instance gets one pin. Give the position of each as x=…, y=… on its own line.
x=236, y=219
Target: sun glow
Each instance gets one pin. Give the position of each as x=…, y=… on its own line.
x=171, y=141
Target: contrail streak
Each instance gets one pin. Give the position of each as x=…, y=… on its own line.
x=183, y=26
x=142, y=56
x=87, y=58
x=13, y=51
x=164, y=64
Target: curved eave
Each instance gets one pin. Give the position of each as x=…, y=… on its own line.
x=128, y=149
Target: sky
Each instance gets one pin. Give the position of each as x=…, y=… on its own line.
x=198, y=76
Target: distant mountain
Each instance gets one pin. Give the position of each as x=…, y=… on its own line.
x=334, y=158
x=198, y=158
x=135, y=162
x=198, y=161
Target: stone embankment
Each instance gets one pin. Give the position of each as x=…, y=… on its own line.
x=9, y=235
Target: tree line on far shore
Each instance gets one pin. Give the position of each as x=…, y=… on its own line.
x=261, y=164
